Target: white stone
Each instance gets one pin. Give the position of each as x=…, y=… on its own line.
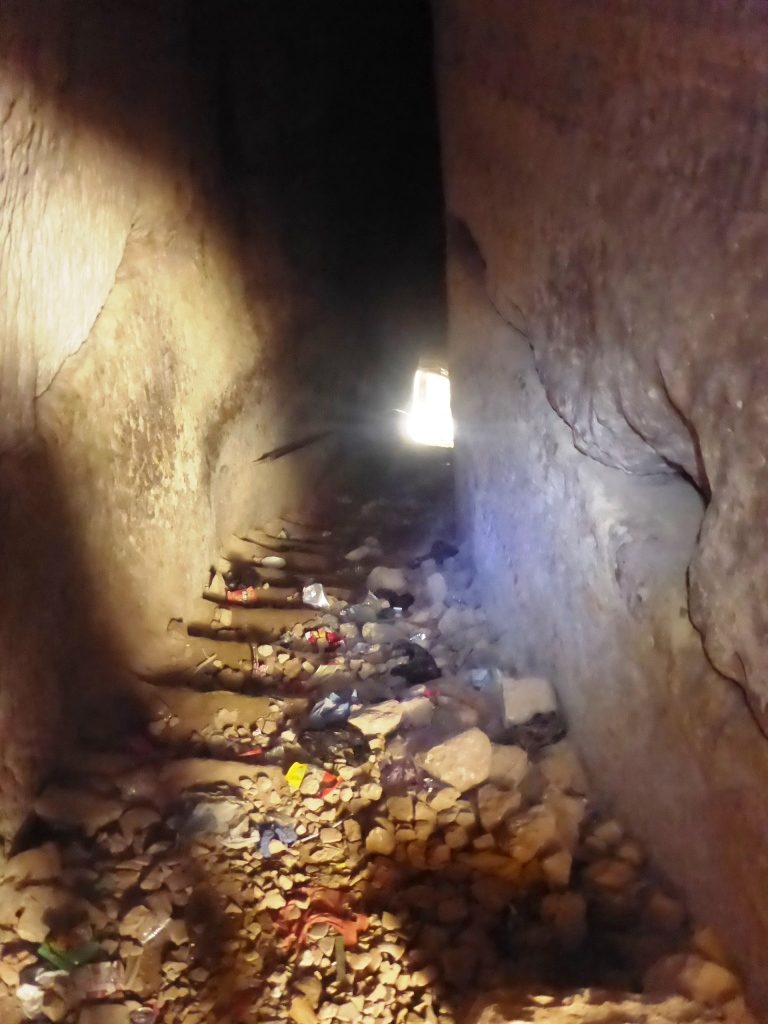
x=526, y=697
x=509, y=766
x=379, y=719
x=417, y=712
x=358, y=554
x=436, y=588
x=382, y=578
x=463, y=761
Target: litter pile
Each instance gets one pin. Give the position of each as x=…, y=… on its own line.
x=347, y=811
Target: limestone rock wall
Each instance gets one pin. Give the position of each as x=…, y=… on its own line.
x=605, y=171
x=136, y=364
x=174, y=270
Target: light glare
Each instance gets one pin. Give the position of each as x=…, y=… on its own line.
x=429, y=420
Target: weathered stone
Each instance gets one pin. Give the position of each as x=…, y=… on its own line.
x=523, y=698
x=380, y=841
x=610, y=874
x=382, y=578
x=664, y=912
x=561, y=767
x=302, y=1011
x=461, y=762
x=692, y=976
x=436, y=588
x=401, y=808
x=494, y=805
x=509, y=766
x=416, y=712
x=566, y=913
x=557, y=869
x=379, y=719
x=533, y=833
x=592, y=560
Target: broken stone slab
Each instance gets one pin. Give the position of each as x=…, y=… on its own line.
x=525, y=697
x=509, y=766
x=378, y=720
x=495, y=805
x=464, y=761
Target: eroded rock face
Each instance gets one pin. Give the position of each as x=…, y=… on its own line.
x=608, y=344
x=169, y=313
x=618, y=207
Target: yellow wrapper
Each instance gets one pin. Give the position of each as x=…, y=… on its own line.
x=295, y=774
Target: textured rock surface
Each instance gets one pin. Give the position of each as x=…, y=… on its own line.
x=168, y=314
x=605, y=180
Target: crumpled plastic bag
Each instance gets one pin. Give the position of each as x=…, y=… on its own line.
x=367, y=610
x=314, y=595
x=326, y=906
x=333, y=709
x=286, y=834
x=438, y=553
x=331, y=745
x=421, y=667
x=401, y=776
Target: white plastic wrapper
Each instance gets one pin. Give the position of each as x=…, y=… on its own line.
x=314, y=596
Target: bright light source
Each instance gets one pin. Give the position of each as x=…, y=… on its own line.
x=429, y=420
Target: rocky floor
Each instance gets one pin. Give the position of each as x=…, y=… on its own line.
x=344, y=813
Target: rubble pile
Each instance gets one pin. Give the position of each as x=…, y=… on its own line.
x=347, y=810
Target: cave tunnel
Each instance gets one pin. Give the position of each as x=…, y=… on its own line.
x=304, y=720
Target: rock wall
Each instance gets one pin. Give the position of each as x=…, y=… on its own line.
x=170, y=311
x=605, y=169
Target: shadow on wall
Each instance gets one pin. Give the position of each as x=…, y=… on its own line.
x=201, y=204
x=48, y=621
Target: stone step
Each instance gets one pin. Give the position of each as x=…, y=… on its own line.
x=272, y=597
x=242, y=550
x=295, y=531
x=278, y=544
x=186, y=712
